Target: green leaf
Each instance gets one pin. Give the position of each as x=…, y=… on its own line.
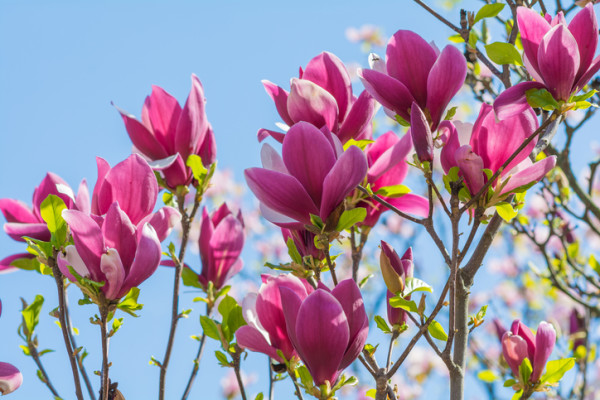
x=525, y=370
x=351, y=217
x=209, y=327
x=364, y=280
x=506, y=211
x=488, y=11
x=190, y=278
x=487, y=375
x=31, y=315
x=402, y=121
x=195, y=163
x=293, y=251
x=371, y=393
x=393, y=191
x=436, y=330
x=130, y=303
x=541, y=98
x=305, y=377
x=382, y=324
x=222, y=358
x=232, y=317
x=594, y=264
x=316, y=221
x=51, y=211
x=503, y=53
x=583, y=97
x=481, y=313
x=415, y=285
x=473, y=38
x=407, y=305
x=510, y=382
x=556, y=369
x=450, y=114
x=361, y=144
x=27, y=264
x=259, y=396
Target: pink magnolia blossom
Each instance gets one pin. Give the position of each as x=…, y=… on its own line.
x=520, y=343
x=304, y=241
x=10, y=376
x=266, y=331
x=22, y=220
x=221, y=242
x=322, y=96
x=577, y=328
x=490, y=146
x=328, y=328
x=403, y=268
x=168, y=134
x=387, y=167
x=313, y=176
x=558, y=56
x=415, y=71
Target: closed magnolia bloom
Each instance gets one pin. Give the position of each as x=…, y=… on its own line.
x=415, y=71
x=304, y=241
x=328, y=328
x=322, y=96
x=168, y=134
x=10, y=376
x=395, y=270
x=22, y=220
x=266, y=331
x=388, y=167
x=520, y=343
x=577, y=328
x=221, y=242
x=313, y=176
x=558, y=56
x=489, y=146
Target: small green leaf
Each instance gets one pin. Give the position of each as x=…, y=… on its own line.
x=209, y=327
x=402, y=121
x=195, y=163
x=130, y=303
x=222, y=358
x=594, y=264
x=455, y=39
x=525, y=370
x=304, y=375
x=503, y=53
x=473, y=38
x=487, y=375
x=583, y=97
x=451, y=113
x=510, y=383
x=351, y=217
x=412, y=285
x=407, y=305
x=371, y=393
x=190, y=278
x=436, y=330
x=382, y=324
x=293, y=251
x=488, y=11
x=259, y=396
x=51, y=211
x=556, y=369
x=541, y=98
x=316, y=221
x=361, y=144
x=31, y=315
x=393, y=191
x=506, y=211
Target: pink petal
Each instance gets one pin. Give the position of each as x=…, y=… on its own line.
x=514, y=349
x=163, y=221
x=471, y=168
x=532, y=174
x=82, y=201
x=250, y=338
x=193, y=125
x=271, y=159
x=452, y=144
x=120, y=234
x=420, y=133
x=558, y=59
x=208, y=149
x=35, y=231
x=17, y=211
x=113, y=270
x=392, y=161
x=5, y=262
x=163, y=112
x=545, y=339
x=147, y=258
x=279, y=97
x=311, y=103
x=265, y=133
x=47, y=187
x=412, y=204
x=142, y=138
x=584, y=28
x=103, y=168
x=88, y=239
x=585, y=78
x=10, y=378
x=513, y=101
x=533, y=27
x=390, y=92
x=357, y=123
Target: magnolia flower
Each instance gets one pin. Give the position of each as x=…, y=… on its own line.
x=169, y=134
x=520, y=343
x=304, y=241
x=387, y=167
x=10, y=377
x=266, y=331
x=328, y=329
x=395, y=270
x=490, y=145
x=559, y=57
x=577, y=328
x=314, y=176
x=322, y=96
x=22, y=220
x=415, y=71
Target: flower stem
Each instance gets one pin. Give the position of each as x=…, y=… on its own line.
x=105, y=382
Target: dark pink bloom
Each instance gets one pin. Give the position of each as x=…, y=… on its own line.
x=491, y=143
x=304, y=241
x=415, y=71
x=520, y=343
x=10, y=376
x=558, y=56
x=168, y=134
x=266, y=331
x=404, y=268
x=322, y=96
x=577, y=328
x=421, y=134
x=387, y=167
x=22, y=220
x=313, y=176
x=328, y=329
x=221, y=242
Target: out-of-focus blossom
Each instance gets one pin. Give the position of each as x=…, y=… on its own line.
x=322, y=96
x=266, y=331
x=168, y=134
x=520, y=343
x=230, y=385
x=313, y=176
x=577, y=328
x=368, y=34
x=395, y=270
x=490, y=146
x=221, y=242
x=328, y=329
x=558, y=56
x=22, y=220
x=415, y=71
x=387, y=167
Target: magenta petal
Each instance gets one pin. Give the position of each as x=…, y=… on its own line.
x=390, y=92
x=514, y=349
x=290, y=304
x=103, y=168
x=279, y=97
x=533, y=27
x=513, y=101
x=262, y=134
x=271, y=159
x=281, y=192
x=349, y=170
x=409, y=58
x=17, y=230
x=120, y=234
x=279, y=219
x=412, y=204
x=584, y=28
x=329, y=72
x=17, y=211
x=206, y=230
x=308, y=157
x=323, y=335
x=445, y=80
x=48, y=186
x=250, y=338
x=82, y=201
x=545, y=338
x=10, y=378
x=163, y=113
x=358, y=120
x=519, y=328
x=141, y=137
x=226, y=244
x=112, y=268
x=311, y=103
x=5, y=262
x=162, y=221
x=452, y=144
x=558, y=59
x=393, y=155
x=147, y=258
x=193, y=125
x=208, y=149
x=532, y=174
x=585, y=78
x=471, y=168
x=421, y=134
x=87, y=236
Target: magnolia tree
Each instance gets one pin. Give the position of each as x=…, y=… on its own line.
x=336, y=194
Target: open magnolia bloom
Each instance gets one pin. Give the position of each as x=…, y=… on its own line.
x=488, y=145
x=558, y=56
x=322, y=96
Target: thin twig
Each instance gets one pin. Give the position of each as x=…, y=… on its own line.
x=105, y=387
x=36, y=358
x=196, y=367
